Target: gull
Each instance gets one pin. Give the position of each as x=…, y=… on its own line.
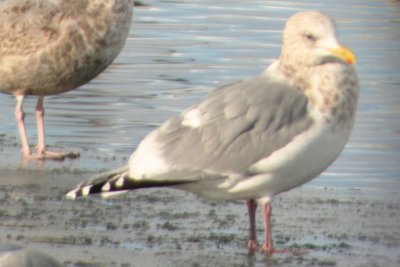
x=52, y=46
x=253, y=139
x=15, y=256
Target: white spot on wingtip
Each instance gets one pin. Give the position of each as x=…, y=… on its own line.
x=71, y=195
x=120, y=182
x=106, y=187
x=86, y=190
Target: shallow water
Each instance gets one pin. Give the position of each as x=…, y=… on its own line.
x=180, y=50
x=176, y=53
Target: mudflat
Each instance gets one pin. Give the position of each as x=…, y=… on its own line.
x=322, y=226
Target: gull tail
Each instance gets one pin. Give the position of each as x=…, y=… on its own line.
x=115, y=182
x=95, y=185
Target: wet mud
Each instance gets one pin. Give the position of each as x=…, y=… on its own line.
x=164, y=227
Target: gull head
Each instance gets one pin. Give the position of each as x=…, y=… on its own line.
x=310, y=39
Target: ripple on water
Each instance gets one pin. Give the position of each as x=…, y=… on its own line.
x=178, y=51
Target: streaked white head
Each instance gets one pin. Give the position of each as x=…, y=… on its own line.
x=310, y=38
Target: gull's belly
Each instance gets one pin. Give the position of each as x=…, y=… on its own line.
x=301, y=160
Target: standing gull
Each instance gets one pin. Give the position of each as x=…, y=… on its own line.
x=51, y=46
x=253, y=139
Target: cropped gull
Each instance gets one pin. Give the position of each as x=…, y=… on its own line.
x=15, y=256
x=52, y=46
x=255, y=138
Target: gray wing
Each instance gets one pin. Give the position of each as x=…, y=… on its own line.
x=238, y=125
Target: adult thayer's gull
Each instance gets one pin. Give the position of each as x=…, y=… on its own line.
x=51, y=46
x=258, y=137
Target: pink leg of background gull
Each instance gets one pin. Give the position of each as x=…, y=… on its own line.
x=41, y=151
x=20, y=116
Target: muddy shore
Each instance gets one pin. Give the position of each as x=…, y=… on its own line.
x=165, y=227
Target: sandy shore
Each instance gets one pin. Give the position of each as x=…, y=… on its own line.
x=165, y=227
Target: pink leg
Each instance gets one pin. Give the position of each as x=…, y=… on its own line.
x=42, y=152
x=20, y=116
x=41, y=147
x=267, y=247
x=252, y=244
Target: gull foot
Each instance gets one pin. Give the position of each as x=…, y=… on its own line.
x=252, y=246
x=270, y=250
x=60, y=156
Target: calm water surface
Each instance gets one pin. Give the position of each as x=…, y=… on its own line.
x=180, y=50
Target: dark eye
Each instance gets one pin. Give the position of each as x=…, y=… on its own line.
x=310, y=36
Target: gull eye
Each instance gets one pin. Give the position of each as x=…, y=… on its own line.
x=310, y=37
